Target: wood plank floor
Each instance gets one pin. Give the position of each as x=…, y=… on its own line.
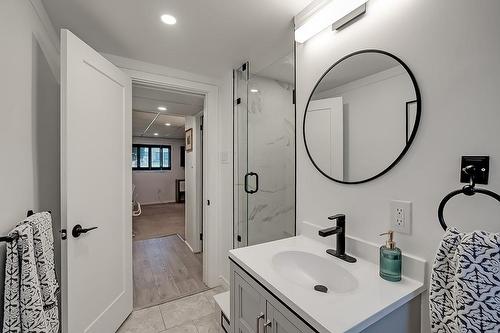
x=165, y=269
x=159, y=220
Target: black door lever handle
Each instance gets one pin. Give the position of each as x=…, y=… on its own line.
x=78, y=230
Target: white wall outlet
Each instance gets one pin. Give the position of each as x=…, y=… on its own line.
x=401, y=216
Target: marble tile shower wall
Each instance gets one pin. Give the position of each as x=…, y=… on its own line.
x=271, y=154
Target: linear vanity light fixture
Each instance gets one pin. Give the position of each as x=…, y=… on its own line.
x=320, y=14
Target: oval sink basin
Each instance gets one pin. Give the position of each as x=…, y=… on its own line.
x=308, y=270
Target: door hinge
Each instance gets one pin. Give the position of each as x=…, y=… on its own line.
x=294, y=97
x=201, y=127
x=201, y=236
x=238, y=238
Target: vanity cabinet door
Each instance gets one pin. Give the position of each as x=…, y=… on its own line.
x=249, y=308
x=276, y=322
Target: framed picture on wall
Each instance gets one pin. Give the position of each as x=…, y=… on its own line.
x=189, y=139
x=411, y=114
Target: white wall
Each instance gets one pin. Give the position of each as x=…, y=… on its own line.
x=158, y=186
x=29, y=123
x=452, y=48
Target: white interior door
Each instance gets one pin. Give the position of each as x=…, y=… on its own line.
x=96, y=189
x=325, y=119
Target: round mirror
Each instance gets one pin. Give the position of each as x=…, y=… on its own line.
x=361, y=117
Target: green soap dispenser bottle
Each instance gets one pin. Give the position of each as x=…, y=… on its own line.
x=390, y=259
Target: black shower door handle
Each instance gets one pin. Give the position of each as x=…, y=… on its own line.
x=252, y=174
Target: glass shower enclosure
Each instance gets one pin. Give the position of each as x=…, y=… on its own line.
x=264, y=153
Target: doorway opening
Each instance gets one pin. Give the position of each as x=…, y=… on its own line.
x=167, y=195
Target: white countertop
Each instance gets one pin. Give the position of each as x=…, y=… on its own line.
x=332, y=312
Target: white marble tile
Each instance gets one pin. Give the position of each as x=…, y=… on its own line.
x=143, y=321
x=271, y=153
x=186, y=310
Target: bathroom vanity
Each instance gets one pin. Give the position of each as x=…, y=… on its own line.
x=273, y=290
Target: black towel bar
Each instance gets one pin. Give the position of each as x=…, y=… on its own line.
x=9, y=239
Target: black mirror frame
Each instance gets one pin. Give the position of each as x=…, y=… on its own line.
x=418, y=99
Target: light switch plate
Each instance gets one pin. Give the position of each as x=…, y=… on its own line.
x=401, y=216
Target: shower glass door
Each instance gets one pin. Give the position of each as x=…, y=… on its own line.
x=240, y=155
x=264, y=153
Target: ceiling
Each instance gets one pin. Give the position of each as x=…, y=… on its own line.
x=210, y=37
x=148, y=120
x=146, y=124
x=145, y=98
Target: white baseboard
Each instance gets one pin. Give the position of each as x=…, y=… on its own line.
x=188, y=245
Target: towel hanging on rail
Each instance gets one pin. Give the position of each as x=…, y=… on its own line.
x=23, y=306
x=465, y=283
x=43, y=241
x=30, y=300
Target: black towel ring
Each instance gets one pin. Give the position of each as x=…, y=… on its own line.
x=468, y=190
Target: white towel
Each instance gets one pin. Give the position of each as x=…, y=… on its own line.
x=30, y=300
x=465, y=283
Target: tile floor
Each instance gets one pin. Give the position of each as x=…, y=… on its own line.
x=192, y=314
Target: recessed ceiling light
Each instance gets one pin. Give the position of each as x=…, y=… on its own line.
x=168, y=124
x=168, y=19
x=253, y=90
x=156, y=134
x=162, y=108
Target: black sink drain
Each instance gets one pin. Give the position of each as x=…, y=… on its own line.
x=321, y=288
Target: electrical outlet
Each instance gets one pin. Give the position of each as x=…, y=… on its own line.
x=401, y=216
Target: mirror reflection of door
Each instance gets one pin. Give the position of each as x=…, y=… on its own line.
x=325, y=132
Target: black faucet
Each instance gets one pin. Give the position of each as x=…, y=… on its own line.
x=338, y=230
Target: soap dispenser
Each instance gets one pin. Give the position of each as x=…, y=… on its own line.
x=390, y=259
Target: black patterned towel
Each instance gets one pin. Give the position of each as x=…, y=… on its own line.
x=465, y=283
x=23, y=305
x=43, y=242
x=31, y=287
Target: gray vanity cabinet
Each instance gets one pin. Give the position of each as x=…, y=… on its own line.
x=255, y=310
x=250, y=307
x=277, y=323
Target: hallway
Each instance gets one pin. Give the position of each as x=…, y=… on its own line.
x=165, y=269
